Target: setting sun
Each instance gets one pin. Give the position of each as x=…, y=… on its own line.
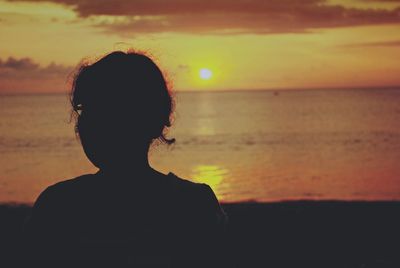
x=205, y=74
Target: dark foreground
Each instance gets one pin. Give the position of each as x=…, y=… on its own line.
x=286, y=234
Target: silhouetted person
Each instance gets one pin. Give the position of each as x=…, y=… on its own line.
x=127, y=214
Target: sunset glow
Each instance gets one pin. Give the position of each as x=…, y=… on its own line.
x=251, y=116
x=211, y=175
x=325, y=44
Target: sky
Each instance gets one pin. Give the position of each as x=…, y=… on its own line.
x=244, y=44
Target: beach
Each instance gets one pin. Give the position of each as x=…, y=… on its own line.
x=283, y=234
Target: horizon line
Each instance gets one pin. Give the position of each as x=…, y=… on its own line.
x=393, y=87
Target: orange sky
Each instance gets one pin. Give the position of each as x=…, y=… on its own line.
x=247, y=44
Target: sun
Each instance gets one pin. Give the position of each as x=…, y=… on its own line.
x=205, y=74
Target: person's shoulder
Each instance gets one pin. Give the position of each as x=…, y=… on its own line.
x=200, y=200
x=66, y=187
x=184, y=185
x=200, y=195
x=69, y=183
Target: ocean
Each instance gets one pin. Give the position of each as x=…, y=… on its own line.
x=247, y=145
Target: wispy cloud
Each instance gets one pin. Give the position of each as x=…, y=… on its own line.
x=18, y=64
x=224, y=16
x=392, y=43
x=26, y=68
x=25, y=75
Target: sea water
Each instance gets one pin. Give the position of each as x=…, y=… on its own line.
x=247, y=145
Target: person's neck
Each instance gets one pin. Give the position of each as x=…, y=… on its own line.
x=122, y=167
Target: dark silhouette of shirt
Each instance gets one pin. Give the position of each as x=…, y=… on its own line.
x=126, y=220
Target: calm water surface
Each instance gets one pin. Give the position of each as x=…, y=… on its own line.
x=336, y=144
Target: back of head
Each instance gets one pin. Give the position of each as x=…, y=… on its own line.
x=122, y=103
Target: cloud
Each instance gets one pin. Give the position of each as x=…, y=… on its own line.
x=27, y=68
x=26, y=75
x=183, y=67
x=393, y=43
x=224, y=16
x=21, y=64
x=388, y=1
x=176, y=7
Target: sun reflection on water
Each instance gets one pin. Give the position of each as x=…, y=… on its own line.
x=212, y=175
